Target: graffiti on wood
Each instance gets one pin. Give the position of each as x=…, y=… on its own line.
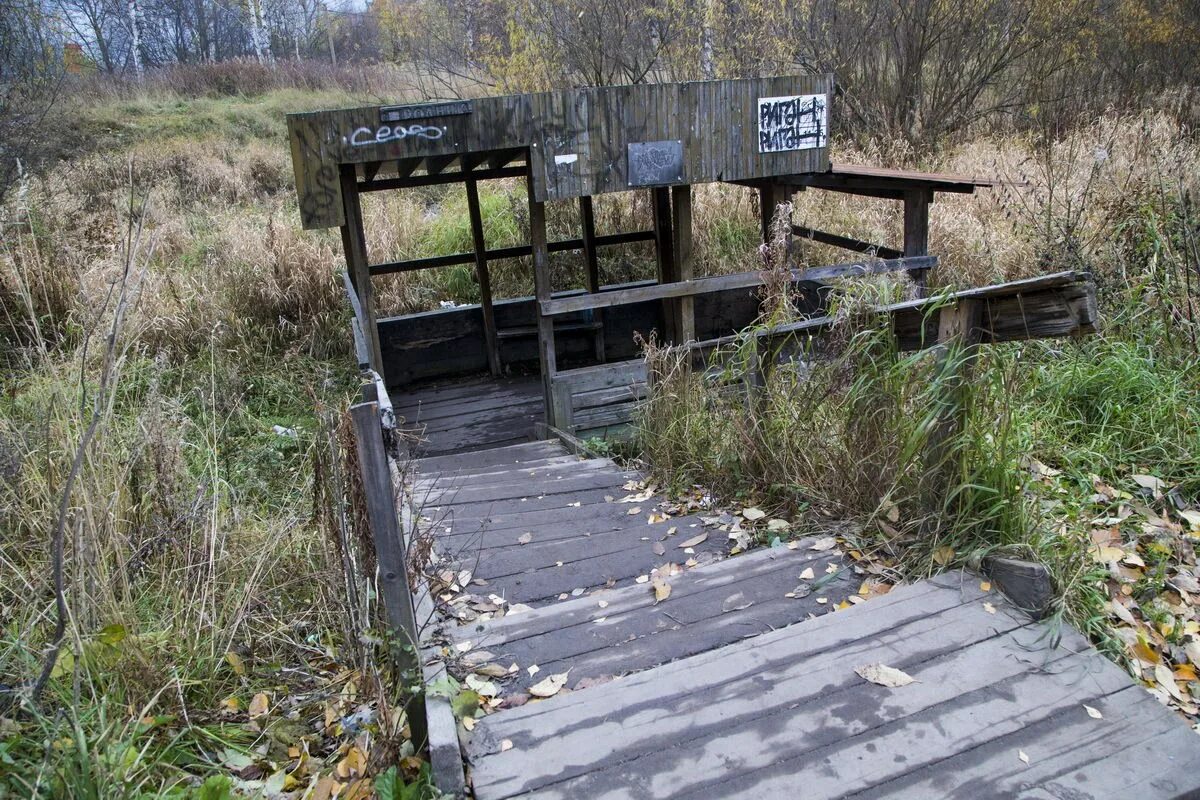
x=655, y=163
x=796, y=122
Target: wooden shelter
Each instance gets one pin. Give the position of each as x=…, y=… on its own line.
x=784, y=704
x=770, y=134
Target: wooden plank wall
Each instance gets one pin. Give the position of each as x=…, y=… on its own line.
x=578, y=139
x=449, y=343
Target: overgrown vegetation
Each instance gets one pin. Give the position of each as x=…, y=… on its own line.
x=216, y=641
x=1083, y=455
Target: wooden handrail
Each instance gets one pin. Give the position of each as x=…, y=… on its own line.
x=737, y=280
x=1045, y=312
x=516, y=251
x=356, y=325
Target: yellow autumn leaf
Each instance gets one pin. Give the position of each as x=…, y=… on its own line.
x=260, y=704
x=943, y=555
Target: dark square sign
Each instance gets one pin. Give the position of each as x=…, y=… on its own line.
x=655, y=163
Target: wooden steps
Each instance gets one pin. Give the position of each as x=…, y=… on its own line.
x=613, y=632
x=784, y=714
x=736, y=684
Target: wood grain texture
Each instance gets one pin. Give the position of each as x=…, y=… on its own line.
x=577, y=139
x=785, y=714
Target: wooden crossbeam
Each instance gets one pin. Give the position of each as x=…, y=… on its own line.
x=516, y=251
x=1048, y=306
x=435, y=178
x=846, y=242
x=737, y=280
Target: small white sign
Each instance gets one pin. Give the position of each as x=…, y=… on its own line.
x=796, y=122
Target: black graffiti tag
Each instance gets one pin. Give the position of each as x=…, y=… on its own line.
x=791, y=123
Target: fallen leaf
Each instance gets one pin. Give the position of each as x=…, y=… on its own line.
x=658, y=548
x=1165, y=679
x=662, y=590
x=1021, y=755
x=533, y=669
x=988, y=607
x=352, y=765
x=778, y=525
x=1094, y=713
x=824, y=543
x=985, y=586
x=505, y=744
x=236, y=663
x=692, y=542
x=943, y=555
x=525, y=538
x=753, y=514
x=884, y=675
x=1192, y=518
x=468, y=723
x=1122, y=613
x=549, y=686
x=807, y=574
x=1150, y=482
x=259, y=705
x=633, y=511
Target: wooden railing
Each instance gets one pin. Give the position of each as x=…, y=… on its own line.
x=1061, y=304
x=380, y=452
x=737, y=280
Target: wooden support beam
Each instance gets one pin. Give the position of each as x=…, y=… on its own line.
x=770, y=195
x=483, y=276
x=1060, y=304
x=437, y=179
x=959, y=335
x=390, y=552
x=587, y=225
x=472, y=160
x=847, y=243
x=681, y=212
x=916, y=227
x=717, y=283
x=542, y=290
x=498, y=158
x=435, y=165
x=516, y=251
x=664, y=248
x=354, y=244
x=407, y=166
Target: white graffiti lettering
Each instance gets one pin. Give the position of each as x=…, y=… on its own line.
x=363, y=137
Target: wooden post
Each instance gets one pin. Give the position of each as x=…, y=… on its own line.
x=587, y=221
x=664, y=250
x=482, y=275
x=916, y=228
x=681, y=212
x=958, y=339
x=354, y=243
x=389, y=548
x=770, y=195
x=542, y=288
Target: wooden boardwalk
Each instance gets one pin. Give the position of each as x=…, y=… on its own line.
x=742, y=682
x=466, y=415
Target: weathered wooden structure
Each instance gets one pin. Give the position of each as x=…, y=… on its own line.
x=770, y=134
x=735, y=681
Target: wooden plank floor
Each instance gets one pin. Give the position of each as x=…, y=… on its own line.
x=742, y=682
x=471, y=414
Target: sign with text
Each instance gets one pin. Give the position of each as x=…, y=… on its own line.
x=796, y=122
